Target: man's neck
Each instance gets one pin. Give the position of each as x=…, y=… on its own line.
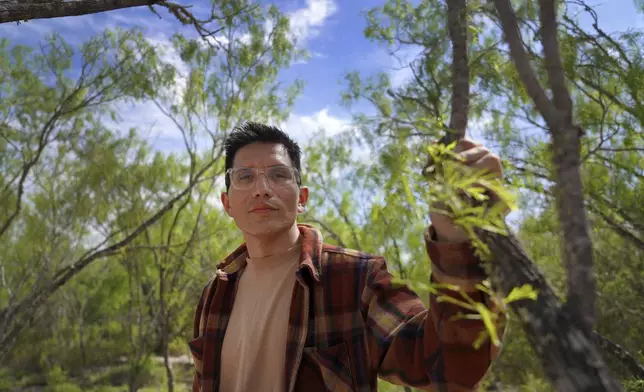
x=274, y=244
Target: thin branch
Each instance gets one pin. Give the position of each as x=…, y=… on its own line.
x=624, y=149
x=552, y=57
x=332, y=233
x=626, y=358
x=433, y=97
x=25, y=309
x=619, y=210
x=602, y=33
x=512, y=34
x=599, y=147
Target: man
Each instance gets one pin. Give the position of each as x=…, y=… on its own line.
x=286, y=312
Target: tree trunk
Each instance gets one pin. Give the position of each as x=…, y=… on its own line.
x=139, y=342
x=562, y=342
x=165, y=330
x=81, y=341
x=168, y=368
x=571, y=210
x=618, y=352
x=457, y=24
x=23, y=10
x=566, y=143
x=565, y=350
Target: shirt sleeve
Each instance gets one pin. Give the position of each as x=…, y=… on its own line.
x=419, y=347
x=196, y=351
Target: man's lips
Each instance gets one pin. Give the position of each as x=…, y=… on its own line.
x=263, y=209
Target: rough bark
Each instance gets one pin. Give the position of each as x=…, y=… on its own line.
x=566, y=145
x=566, y=138
x=22, y=10
x=457, y=24
x=563, y=345
x=626, y=358
x=570, y=360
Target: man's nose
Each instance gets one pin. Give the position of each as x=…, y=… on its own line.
x=262, y=186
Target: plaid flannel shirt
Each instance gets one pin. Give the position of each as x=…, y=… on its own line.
x=350, y=323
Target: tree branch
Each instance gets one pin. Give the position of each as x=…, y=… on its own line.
x=22, y=11
x=457, y=22
x=626, y=358
x=22, y=315
x=552, y=56
x=332, y=233
x=19, y=11
x=512, y=34
x=565, y=350
x=569, y=188
x=566, y=146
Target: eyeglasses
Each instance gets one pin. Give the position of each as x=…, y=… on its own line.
x=278, y=176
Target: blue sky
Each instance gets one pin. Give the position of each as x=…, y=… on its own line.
x=331, y=30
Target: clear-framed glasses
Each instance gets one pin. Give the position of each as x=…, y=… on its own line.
x=277, y=176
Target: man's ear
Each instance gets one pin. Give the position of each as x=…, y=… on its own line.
x=225, y=202
x=302, y=199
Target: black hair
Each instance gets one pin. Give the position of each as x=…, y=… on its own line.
x=254, y=132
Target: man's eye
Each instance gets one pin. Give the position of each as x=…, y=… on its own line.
x=245, y=177
x=281, y=174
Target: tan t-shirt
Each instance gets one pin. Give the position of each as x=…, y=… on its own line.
x=254, y=349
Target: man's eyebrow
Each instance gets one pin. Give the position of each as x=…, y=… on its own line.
x=255, y=167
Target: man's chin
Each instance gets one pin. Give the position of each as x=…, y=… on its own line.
x=267, y=228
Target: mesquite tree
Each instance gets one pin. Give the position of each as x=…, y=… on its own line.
x=560, y=334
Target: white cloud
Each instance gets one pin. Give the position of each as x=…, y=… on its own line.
x=148, y=119
x=164, y=134
x=169, y=55
x=303, y=127
x=152, y=122
x=143, y=19
x=305, y=23
x=221, y=41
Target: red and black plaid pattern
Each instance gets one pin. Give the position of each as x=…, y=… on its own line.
x=350, y=323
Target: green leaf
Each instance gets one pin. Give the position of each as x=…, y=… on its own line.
x=518, y=293
x=408, y=193
x=488, y=319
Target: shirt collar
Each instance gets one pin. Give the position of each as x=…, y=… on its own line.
x=310, y=255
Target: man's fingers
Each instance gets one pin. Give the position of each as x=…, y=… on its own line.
x=478, y=158
x=465, y=144
x=490, y=163
x=474, y=154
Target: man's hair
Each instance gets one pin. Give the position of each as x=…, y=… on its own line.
x=254, y=132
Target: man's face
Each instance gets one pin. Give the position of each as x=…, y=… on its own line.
x=264, y=209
